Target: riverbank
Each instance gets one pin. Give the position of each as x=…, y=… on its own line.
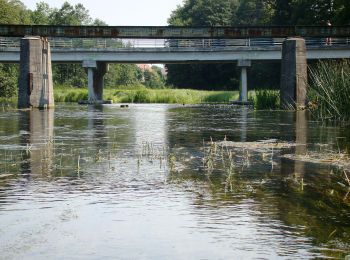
x=145, y=95
x=262, y=99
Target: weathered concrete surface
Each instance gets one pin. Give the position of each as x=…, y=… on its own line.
x=243, y=89
x=96, y=72
x=293, y=73
x=35, y=83
x=189, y=55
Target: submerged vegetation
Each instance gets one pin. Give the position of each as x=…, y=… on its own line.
x=330, y=90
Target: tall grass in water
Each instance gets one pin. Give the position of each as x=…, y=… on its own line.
x=265, y=99
x=329, y=90
x=141, y=94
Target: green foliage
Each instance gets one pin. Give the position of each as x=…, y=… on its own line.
x=266, y=99
x=122, y=74
x=70, y=15
x=253, y=12
x=154, y=78
x=69, y=74
x=41, y=14
x=8, y=80
x=330, y=90
x=203, y=13
x=13, y=12
x=141, y=94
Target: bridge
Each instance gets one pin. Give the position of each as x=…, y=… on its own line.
x=96, y=46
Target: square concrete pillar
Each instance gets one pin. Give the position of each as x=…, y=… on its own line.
x=243, y=93
x=35, y=83
x=293, y=74
x=96, y=71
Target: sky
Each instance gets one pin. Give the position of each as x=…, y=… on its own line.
x=122, y=12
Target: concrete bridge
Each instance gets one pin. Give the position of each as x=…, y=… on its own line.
x=95, y=47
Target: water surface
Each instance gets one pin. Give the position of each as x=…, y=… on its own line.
x=142, y=183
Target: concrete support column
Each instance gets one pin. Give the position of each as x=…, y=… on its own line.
x=35, y=82
x=92, y=94
x=243, y=93
x=293, y=73
x=96, y=72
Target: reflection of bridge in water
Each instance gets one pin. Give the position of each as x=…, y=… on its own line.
x=95, y=47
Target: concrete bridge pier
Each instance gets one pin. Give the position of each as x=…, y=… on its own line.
x=35, y=82
x=243, y=89
x=293, y=74
x=96, y=71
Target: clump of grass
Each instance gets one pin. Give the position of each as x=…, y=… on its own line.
x=69, y=94
x=329, y=90
x=266, y=99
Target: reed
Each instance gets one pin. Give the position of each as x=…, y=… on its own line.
x=141, y=94
x=329, y=92
x=265, y=99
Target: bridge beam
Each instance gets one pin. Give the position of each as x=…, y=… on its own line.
x=243, y=89
x=96, y=71
x=293, y=73
x=35, y=82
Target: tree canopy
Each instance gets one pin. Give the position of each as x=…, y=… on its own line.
x=247, y=12
x=15, y=12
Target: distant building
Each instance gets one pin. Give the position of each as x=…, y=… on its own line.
x=145, y=67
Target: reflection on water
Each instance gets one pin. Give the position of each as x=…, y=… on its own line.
x=106, y=182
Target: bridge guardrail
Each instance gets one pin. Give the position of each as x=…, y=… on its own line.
x=115, y=43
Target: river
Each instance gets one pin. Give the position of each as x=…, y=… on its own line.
x=170, y=182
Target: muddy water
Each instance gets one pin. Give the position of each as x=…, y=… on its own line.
x=150, y=182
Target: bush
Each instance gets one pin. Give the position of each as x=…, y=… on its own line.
x=8, y=81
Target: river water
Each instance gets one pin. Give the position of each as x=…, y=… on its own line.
x=153, y=182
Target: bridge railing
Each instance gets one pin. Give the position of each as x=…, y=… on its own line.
x=173, y=44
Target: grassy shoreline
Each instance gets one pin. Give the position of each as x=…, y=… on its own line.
x=145, y=95
x=262, y=99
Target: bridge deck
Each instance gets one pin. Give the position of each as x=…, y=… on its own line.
x=174, y=50
x=169, y=32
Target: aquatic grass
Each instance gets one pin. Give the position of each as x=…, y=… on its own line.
x=329, y=90
x=141, y=94
x=265, y=99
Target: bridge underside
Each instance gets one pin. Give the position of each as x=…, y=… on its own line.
x=94, y=56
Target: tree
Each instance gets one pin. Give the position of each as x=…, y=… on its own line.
x=204, y=13
x=122, y=75
x=154, y=78
x=253, y=12
x=11, y=12
x=41, y=15
x=8, y=80
x=70, y=15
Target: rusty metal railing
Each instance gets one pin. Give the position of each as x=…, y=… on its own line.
x=173, y=32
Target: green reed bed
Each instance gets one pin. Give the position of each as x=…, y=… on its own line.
x=265, y=99
x=140, y=94
x=329, y=92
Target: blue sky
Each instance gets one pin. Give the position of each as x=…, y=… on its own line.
x=122, y=12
